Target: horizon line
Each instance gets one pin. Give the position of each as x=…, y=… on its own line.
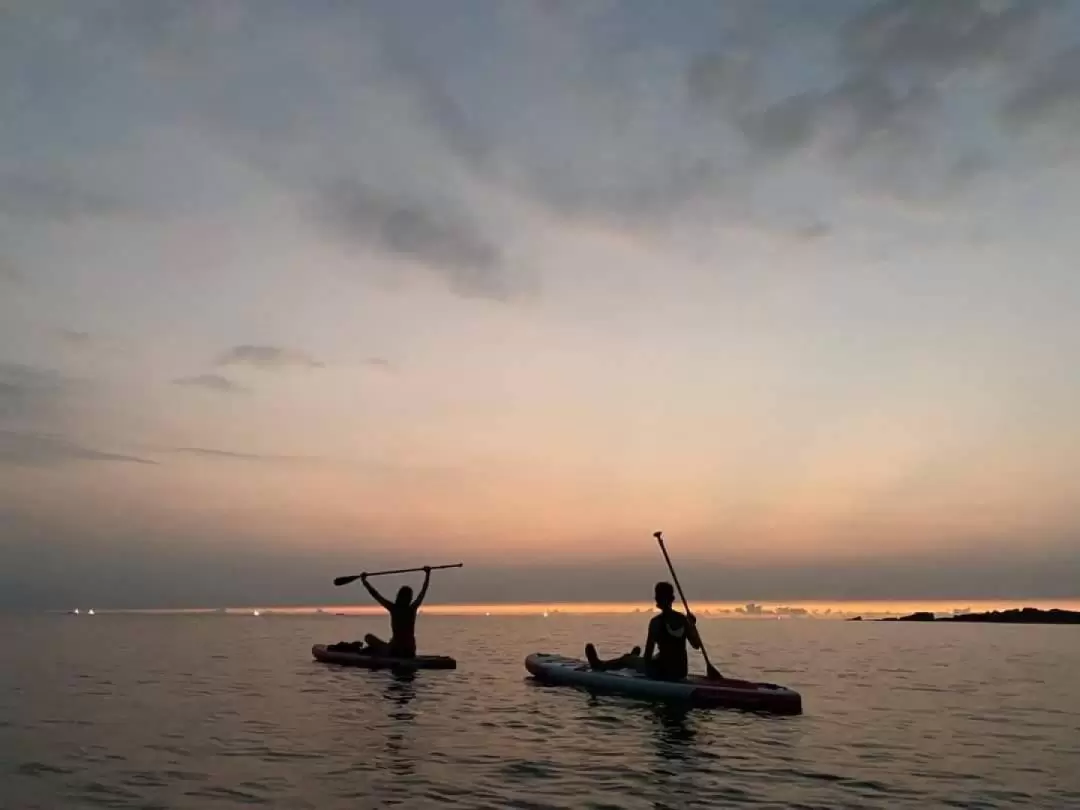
x=713, y=609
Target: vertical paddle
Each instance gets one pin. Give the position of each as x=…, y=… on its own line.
x=710, y=670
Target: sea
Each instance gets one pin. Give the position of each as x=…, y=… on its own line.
x=228, y=710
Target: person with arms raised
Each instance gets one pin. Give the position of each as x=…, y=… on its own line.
x=402, y=612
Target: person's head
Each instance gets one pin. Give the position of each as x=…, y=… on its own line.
x=404, y=596
x=665, y=595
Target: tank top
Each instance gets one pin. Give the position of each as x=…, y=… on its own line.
x=670, y=630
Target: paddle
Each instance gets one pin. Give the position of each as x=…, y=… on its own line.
x=354, y=577
x=710, y=670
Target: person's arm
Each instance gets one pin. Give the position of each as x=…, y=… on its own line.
x=382, y=600
x=691, y=631
x=650, y=642
x=423, y=589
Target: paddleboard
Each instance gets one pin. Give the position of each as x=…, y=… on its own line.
x=352, y=659
x=695, y=690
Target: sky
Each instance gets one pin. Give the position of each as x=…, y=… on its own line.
x=294, y=290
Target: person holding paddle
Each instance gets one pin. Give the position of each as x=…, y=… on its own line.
x=669, y=633
x=402, y=611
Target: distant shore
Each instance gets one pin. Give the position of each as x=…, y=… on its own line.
x=1027, y=615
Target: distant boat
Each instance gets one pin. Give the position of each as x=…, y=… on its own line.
x=74, y=612
x=90, y=612
x=254, y=613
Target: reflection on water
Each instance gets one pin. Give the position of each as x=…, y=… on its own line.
x=193, y=712
x=401, y=690
x=401, y=758
x=675, y=732
x=676, y=765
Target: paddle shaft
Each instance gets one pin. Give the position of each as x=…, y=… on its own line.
x=709, y=668
x=353, y=578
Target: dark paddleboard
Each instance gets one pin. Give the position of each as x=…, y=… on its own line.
x=354, y=659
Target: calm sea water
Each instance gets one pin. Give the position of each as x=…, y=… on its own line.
x=187, y=711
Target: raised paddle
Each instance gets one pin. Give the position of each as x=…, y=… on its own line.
x=354, y=577
x=710, y=670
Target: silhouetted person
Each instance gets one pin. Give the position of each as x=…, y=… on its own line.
x=669, y=632
x=402, y=610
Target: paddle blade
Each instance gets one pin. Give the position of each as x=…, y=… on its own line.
x=345, y=580
x=714, y=673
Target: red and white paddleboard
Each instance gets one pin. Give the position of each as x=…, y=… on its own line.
x=695, y=690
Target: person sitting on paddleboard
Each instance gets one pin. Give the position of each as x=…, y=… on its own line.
x=669, y=632
x=402, y=611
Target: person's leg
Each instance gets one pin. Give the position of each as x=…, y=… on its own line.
x=400, y=649
x=347, y=646
x=376, y=646
x=631, y=660
x=658, y=670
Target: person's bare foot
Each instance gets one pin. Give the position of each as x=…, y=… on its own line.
x=591, y=656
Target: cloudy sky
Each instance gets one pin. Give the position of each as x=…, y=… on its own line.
x=290, y=290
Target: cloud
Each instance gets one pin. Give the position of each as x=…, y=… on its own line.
x=967, y=168
x=435, y=105
x=8, y=272
x=75, y=338
x=28, y=391
x=1051, y=96
x=228, y=454
x=786, y=126
x=436, y=236
x=267, y=357
x=813, y=231
x=721, y=80
x=38, y=449
x=940, y=37
x=341, y=94
x=30, y=376
x=55, y=198
x=211, y=382
x=872, y=106
x=886, y=120
x=863, y=111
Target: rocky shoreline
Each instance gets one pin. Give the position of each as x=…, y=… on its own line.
x=1028, y=615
